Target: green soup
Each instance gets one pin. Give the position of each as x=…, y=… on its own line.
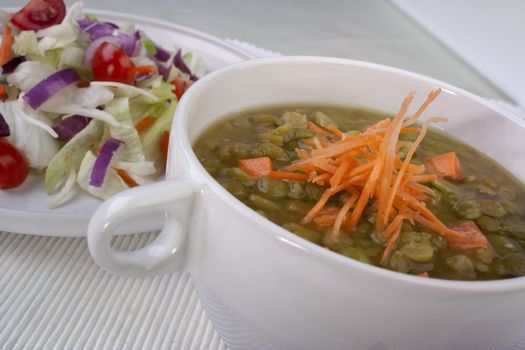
x=486, y=194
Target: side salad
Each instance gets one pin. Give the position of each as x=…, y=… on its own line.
x=86, y=103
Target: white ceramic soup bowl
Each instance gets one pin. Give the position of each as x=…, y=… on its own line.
x=266, y=288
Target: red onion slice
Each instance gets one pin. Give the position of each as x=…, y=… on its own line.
x=92, y=48
x=4, y=127
x=178, y=62
x=162, y=55
x=11, y=65
x=70, y=126
x=98, y=30
x=129, y=43
x=50, y=86
x=100, y=168
x=84, y=23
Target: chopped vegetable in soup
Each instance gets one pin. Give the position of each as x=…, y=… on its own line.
x=376, y=188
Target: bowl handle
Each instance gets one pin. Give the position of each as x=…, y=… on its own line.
x=165, y=253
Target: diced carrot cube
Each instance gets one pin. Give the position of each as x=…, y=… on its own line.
x=256, y=167
x=472, y=237
x=446, y=165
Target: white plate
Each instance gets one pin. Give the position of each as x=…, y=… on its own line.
x=25, y=210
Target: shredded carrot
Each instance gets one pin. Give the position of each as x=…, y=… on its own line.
x=126, y=178
x=336, y=178
x=408, y=130
x=318, y=206
x=406, y=162
x=335, y=131
x=431, y=97
x=145, y=69
x=286, y=175
x=5, y=47
x=397, y=224
x=320, y=179
x=340, y=217
x=367, y=166
x=423, y=274
x=256, y=167
x=318, y=130
x=144, y=124
x=424, y=178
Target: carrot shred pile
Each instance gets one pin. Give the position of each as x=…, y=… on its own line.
x=368, y=166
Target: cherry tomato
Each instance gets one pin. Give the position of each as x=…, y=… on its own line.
x=13, y=166
x=110, y=63
x=40, y=14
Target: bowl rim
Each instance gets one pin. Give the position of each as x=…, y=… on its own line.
x=180, y=127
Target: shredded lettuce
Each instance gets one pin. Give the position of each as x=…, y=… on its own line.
x=26, y=43
x=71, y=154
x=139, y=109
x=194, y=63
x=33, y=117
x=163, y=92
x=126, y=90
x=148, y=45
x=113, y=184
x=126, y=132
x=81, y=101
x=38, y=145
x=67, y=192
x=28, y=74
x=51, y=57
x=71, y=56
x=151, y=138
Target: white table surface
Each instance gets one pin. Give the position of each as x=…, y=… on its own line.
x=53, y=296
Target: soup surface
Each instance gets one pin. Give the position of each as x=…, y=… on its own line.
x=255, y=154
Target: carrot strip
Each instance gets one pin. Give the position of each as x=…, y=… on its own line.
x=318, y=130
x=5, y=48
x=339, y=173
x=333, y=151
x=409, y=130
x=144, y=124
x=3, y=92
x=389, y=146
x=406, y=162
x=318, y=206
x=317, y=143
x=424, y=178
x=164, y=144
x=335, y=131
x=398, y=222
x=285, y=175
x=431, y=97
x=349, y=203
x=126, y=178
x=436, y=227
x=145, y=69
x=320, y=179
x=324, y=221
